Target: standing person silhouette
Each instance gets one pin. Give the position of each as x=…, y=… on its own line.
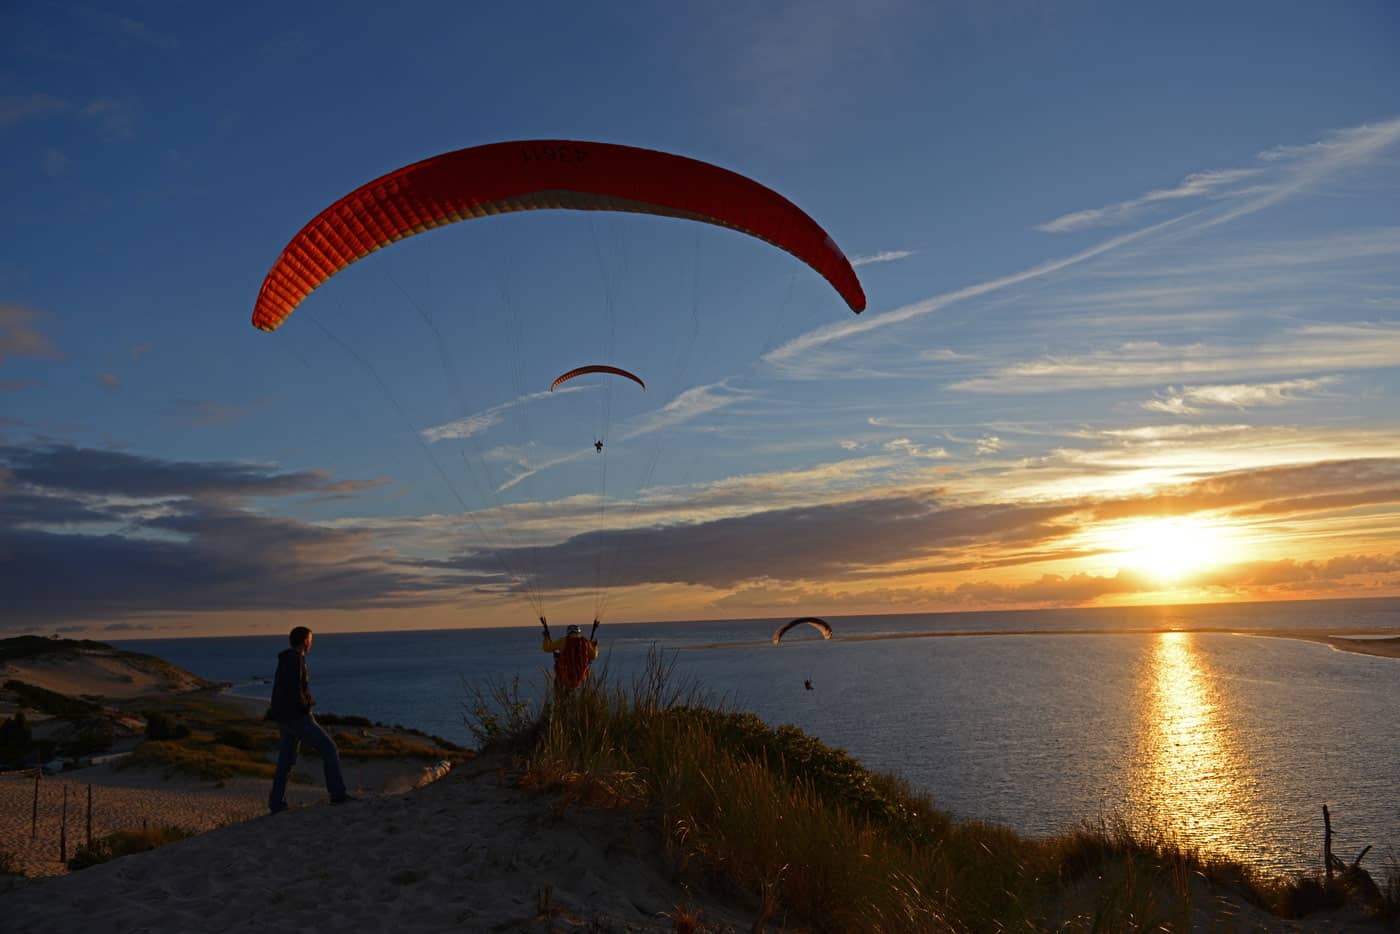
x=573, y=655
x=291, y=708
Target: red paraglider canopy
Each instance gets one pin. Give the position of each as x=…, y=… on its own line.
x=533, y=175
x=597, y=368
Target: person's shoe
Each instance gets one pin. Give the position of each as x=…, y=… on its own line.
x=342, y=799
x=279, y=808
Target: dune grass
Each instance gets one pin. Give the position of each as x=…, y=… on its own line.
x=199, y=756
x=375, y=746
x=50, y=702
x=816, y=841
x=125, y=842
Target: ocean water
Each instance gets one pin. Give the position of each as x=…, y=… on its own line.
x=1039, y=720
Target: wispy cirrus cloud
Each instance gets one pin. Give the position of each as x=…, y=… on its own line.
x=885, y=256
x=787, y=357
x=486, y=419
x=1197, y=185
x=1295, y=171
x=688, y=405
x=1285, y=171
x=1310, y=348
x=1192, y=400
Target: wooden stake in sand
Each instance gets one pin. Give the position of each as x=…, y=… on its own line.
x=34, y=815
x=63, y=829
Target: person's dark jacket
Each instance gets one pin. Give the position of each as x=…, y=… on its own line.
x=291, y=688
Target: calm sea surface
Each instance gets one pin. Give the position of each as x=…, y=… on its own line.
x=1231, y=741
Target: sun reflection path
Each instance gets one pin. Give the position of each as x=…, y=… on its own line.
x=1188, y=778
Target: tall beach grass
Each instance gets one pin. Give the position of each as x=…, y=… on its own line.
x=815, y=841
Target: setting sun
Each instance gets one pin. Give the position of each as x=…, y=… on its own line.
x=1169, y=550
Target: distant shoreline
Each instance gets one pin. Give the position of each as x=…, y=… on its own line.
x=1381, y=642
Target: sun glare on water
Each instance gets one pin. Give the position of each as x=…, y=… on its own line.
x=1171, y=550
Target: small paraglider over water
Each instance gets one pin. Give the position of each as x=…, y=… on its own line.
x=819, y=624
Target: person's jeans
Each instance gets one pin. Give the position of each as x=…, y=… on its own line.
x=304, y=729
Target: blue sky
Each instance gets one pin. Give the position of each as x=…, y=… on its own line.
x=1133, y=332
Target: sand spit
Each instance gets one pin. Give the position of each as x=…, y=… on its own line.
x=467, y=853
x=1384, y=642
x=1374, y=644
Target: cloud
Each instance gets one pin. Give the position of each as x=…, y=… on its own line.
x=1286, y=171
x=1051, y=590
x=885, y=256
x=21, y=337
x=1190, y=400
x=486, y=419
x=1289, y=572
x=99, y=535
x=686, y=406
x=15, y=110
x=911, y=449
x=15, y=385
x=988, y=444
x=803, y=543
x=1153, y=434
x=1278, y=490
x=72, y=469
x=1198, y=185
x=943, y=354
x=1308, y=348
x=110, y=382
x=223, y=562
x=787, y=357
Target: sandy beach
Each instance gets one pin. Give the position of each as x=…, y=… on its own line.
x=131, y=799
x=469, y=852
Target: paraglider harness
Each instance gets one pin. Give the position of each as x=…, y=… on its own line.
x=571, y=663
